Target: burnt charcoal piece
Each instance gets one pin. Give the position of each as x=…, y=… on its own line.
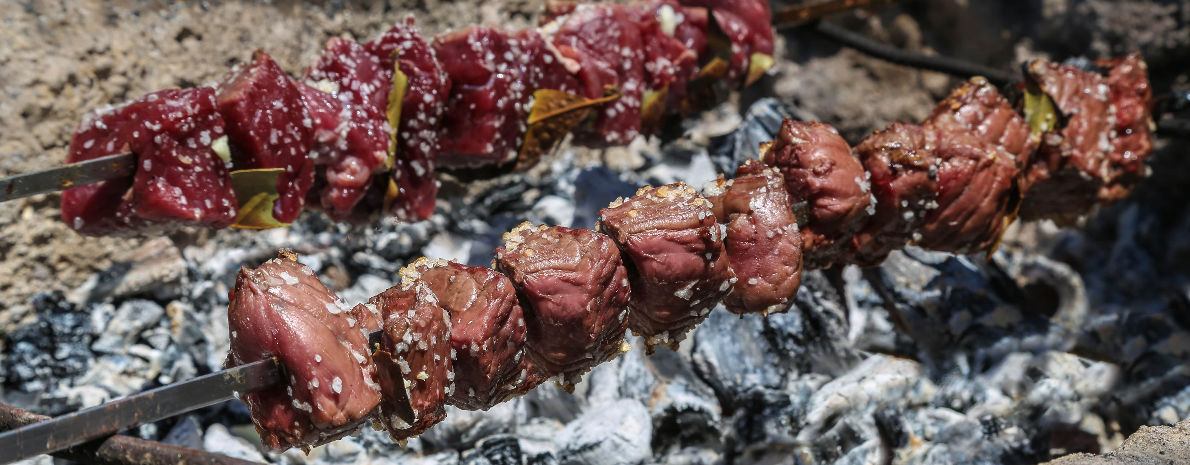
x=487, y=111
x=977, y=106
x=179, y=180
x=1066, y=174
x=762, y=240
x=269, y=127
x=975, y=185
x=352, y=144
x=574, y=291
x=422, y=108
x=820, y=170
x=414, y=356
x=748, y=23
x=904, y=171
x=606, y=42
x=487, y=332
x=1131, y=138
x=673, y=250
x=281, y=310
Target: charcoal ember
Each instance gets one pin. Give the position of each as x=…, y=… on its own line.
x=424, y=104
x=269, y=127
x=904, y=170
x=350, y=144
x=487, y=332
x=748, y=23
x=673, y=250
x=606, y=41
x=975, y=185
x=171, y=132
x=414, y=358
x=1131, y=137
x=352, y=133
x=669, y=63
x=764, y=246
x=618, y=432
x=282, y=310
x=1067, y=172
x=488, y=107
x=574, y=290
x=50, y=350
x=820, y=170
x=977, y=106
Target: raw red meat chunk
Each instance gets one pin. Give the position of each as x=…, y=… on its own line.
x=763, y=243
x=605, y=41
x=179, y=180
x=414, y=358
x=819, y=169
x=269, y=127
x=575, y=295
x=417, y=144
x=904, y=171
x=977, y=106
x=748, y=23
x=487, y=332
x=975, y=185
x=487, y=111
x=669, y=63
x=673, y=250
x=1131, y=139
x=281, y=310
x=1067, y=173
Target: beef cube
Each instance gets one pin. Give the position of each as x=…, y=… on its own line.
x=748, y=23
x=414, y=358
x=819, y=169
x=360, y=77
x=487, y=331
x=977, y=106
x=762, y=240
x=669, y=63
x=975, y=186
x=606, y=42
x=488, y=107
x=281, y=310
x=423, y=107
x=1131, y=138
x=574, y=291
x=673, y=250
x=269, y=127
x=1065, y=177
x=904, y=171
x=179, y=180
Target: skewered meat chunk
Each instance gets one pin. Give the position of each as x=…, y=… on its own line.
x=414, y=357
x=487, y=113
x=977, y=107
x=1131, y=137
x=606, y=42
x=819, y=169
x=269, y=127
x=281, y=310
x=762, y=240
x=904, y=170
x=424, y=104
x=975, y=186
x=1065, y=177
x=179, y=179
x=574, y=291
x=487, y=332
x=669, y=64
x=747, y=24
x=673, y=250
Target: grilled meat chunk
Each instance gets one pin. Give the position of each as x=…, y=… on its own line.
x=1131, y=136
x=977, y=107
x=974, y=191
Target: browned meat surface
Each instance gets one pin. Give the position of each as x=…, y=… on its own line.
x=1066, y=174
x=281, y=310
x=763, y=243
x=1131, y=137
x=574, y=291
x=975, y=185
x=414, y=355
x=677, y=267
x=487, y=332
x=820, y=170
x=977, y=107
x=904, y=171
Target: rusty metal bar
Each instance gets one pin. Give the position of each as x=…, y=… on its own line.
x=119, y=449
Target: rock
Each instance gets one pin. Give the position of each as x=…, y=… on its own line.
x=620, y=432
x=187, y=432
x=132, y=317
x=220, y=441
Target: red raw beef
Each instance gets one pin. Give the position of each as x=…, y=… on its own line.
x=748, y=23
x=179, y=180
x=669, y=63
